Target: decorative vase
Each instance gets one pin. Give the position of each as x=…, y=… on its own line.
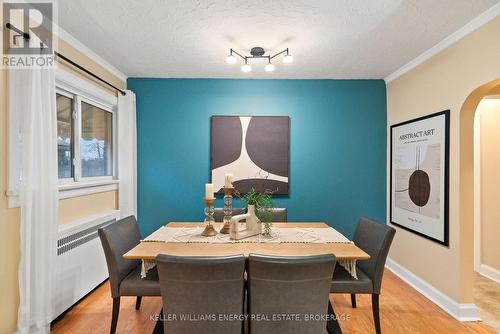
x=265, y=214
x=253, y=225
x=266, y=231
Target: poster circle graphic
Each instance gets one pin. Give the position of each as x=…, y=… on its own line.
x=419, y=188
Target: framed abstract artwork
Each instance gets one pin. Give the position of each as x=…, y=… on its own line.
x=255, y=149
x=420, y=176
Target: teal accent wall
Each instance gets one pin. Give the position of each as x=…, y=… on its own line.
x=337, y=145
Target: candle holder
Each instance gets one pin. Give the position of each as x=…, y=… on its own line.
x=228, y=209
x=209, y=230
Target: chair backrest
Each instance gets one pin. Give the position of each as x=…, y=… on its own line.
x=296, y=286
x=375, y=239
x=117, y=239
x=219, y=213
x=197, y=287
x=279, y=215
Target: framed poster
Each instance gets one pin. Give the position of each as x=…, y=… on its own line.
x=255, y=149
x=420, y=176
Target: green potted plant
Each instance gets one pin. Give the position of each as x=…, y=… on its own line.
x=262, y=203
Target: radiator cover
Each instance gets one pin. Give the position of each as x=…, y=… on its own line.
x=81, y=264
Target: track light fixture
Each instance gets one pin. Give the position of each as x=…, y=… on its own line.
x=258, y=52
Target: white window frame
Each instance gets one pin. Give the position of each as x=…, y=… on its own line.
x=70, y=180
x=77, y=134
x=74, y=86
x=81, y=99
x=81, y=90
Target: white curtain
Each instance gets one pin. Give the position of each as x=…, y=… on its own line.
x=32, y=97
x=127, y=159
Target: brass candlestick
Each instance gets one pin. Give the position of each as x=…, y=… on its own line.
x=209, y=230
x=228, y=209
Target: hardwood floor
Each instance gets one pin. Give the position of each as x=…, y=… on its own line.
x=402, y=310
x=487, y=299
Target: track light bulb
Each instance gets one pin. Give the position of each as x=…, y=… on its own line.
x=230, y=59
x=269, y=67
x=288, y=59
x=246, y=68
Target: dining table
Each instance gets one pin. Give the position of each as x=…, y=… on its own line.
x=148, y=250
x=346, y=252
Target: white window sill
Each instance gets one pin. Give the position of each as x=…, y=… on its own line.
x=70, y=190
x=86, y=222
x=77, y=189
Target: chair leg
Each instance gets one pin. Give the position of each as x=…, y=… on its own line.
x=114, y=317
x=159, y=324
x=376, y=315
x=138, y=302
x=332, y=324
x=353, y=300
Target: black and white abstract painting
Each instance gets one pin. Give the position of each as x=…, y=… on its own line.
x=419, y=176
x=255, y=149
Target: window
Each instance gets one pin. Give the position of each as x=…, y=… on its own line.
x=96, y=141
x=65, y=136
x=84, y=138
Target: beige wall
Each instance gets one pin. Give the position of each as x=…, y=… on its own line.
x=489, y=112
x=444, y=82
x=71, y=209
x=10, y=218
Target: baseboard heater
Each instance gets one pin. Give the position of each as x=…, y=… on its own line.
x=80, y=265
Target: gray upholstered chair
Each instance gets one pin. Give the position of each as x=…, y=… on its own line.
x=219, y=213
x=279, y=215
x=288, y=286
x=199, y=286
x=375, y=239
x=125, y=275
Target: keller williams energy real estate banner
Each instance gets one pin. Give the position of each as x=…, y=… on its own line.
x=419, y=176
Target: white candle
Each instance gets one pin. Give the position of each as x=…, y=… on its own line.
x=209, y=191
x=228, y=180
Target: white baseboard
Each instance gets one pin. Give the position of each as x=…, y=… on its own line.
x=489, y=272
x=461, y=312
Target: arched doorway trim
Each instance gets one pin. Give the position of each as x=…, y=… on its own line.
x=467, y=113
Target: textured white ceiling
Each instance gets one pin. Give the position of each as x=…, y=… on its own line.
x=328, y=38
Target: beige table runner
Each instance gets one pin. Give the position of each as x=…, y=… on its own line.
x=278, y=235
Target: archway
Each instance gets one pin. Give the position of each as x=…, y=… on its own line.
x=467, y=113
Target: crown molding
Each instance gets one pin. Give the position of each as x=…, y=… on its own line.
x=477, y=22
x=68, y=38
